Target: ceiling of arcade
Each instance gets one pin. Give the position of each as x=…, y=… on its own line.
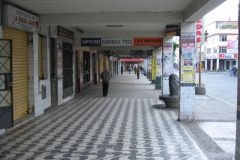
x=117, y=19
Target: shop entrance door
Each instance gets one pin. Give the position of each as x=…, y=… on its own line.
x=53, y=72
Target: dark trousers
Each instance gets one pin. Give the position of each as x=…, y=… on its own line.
x=105, y=88
x=137, y=75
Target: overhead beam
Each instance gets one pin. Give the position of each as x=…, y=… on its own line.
x=110, y=18
x=199, y=9
x=120, y=34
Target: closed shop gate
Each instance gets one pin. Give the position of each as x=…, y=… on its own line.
x=67, y=69
x=19, y=70
x=86, y=70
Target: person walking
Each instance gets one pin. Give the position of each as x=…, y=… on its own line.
x=105, y=81
x=138, y=72
x=135, y=69
x=122, y=70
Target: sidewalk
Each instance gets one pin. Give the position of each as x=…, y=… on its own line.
x=127, y=124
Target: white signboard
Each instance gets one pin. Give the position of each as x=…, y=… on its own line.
x=17, y=18
x=116, y=42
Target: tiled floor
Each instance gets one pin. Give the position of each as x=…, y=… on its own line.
x=225, y=135
x=74, y=131
x=125, y=125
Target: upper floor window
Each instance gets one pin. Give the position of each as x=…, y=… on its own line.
x=215, y=50
x=222, y=49
x=223, y=38
x=208, y=50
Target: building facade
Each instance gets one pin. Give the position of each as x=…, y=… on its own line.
x=221, y=49
x=42, y=67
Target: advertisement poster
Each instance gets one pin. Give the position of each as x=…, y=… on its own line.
x=154, y=66
x=59, y=60
x=167, y=60
x=158, y=62
x=188, y=57
x=149, y=64
x=158, y=66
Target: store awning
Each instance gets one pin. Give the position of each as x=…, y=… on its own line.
x=131, y=60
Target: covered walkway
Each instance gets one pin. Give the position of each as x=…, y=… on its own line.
x=127, y=124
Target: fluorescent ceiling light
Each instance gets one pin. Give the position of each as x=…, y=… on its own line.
x=114, y=25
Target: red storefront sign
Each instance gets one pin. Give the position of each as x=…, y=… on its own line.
x=228, y=56
x=131, y=60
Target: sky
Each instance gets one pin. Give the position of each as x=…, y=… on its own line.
x=227, y=9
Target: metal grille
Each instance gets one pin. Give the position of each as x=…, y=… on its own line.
x=6, y=102
x=67, y=70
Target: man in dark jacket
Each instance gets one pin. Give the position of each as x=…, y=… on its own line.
x=105, y=81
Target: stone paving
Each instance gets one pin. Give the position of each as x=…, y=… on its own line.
x=130, y=123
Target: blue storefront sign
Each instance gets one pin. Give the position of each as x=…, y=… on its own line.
x=91, y=41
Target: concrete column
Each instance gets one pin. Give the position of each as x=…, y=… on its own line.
x=237, y=148
x=211, y=65
x=154, y=67
x=224, y=64
x=217, y=64
x=187, y=72
x=206, y=65
x=158, y=84
x=167, y=64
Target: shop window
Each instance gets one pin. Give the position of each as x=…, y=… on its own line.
x=215, y=50
x=209, y=51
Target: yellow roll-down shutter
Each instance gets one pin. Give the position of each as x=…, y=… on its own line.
x=20, y=70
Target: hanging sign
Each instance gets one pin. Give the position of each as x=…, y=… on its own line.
x=17, y=18
x=199, y=31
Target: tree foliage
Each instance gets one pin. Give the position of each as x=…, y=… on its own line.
x=175, y=46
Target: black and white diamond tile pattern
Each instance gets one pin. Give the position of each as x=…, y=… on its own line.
x=76, y=129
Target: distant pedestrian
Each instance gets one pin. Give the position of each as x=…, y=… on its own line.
x=233, y=71
x=122, y=70
x=138, y=72
x=129, y=70
x=135, y=69
x=105, y=81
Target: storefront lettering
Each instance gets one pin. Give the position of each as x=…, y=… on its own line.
x=126, y=41
x=199, y=31
x=22, y=20
x=111, y=42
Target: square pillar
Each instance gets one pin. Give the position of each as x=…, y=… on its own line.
x=158, y=84
x=167, y=63
x=187, y=72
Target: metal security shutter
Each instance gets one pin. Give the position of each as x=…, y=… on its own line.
x=40, y=61
x=20, y=70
